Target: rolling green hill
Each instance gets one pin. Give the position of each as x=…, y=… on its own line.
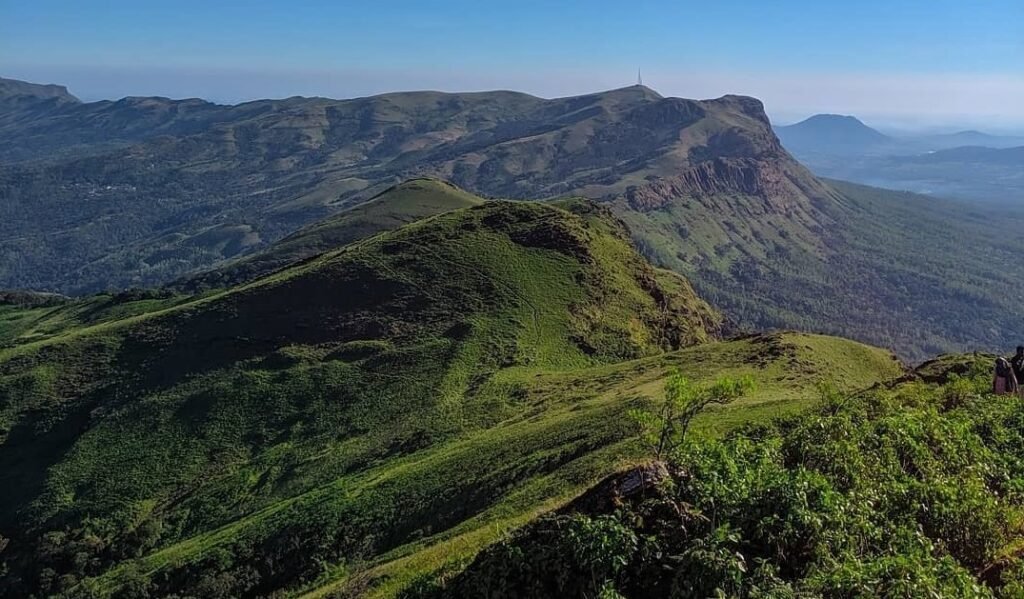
x=345, y=424
x=184, y=416
x=906, y=490
x=407, y=202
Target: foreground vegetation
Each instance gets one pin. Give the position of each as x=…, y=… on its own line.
x=911, y=491
x=357, y=419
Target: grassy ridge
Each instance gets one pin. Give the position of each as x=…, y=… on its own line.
x=316, y=399
x=400, y=205
x=571, y=430
x=594, y=403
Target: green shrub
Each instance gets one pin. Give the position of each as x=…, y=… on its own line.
x=908, y=492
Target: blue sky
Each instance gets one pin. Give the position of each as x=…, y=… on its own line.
x=901, y=62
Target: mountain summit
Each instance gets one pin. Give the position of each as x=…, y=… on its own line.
x=830, y=134
x=14, y=91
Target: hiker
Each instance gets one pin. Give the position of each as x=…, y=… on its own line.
x=1017, y=362
x=1004, y=382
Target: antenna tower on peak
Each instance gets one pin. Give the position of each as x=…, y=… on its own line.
x=639, y=79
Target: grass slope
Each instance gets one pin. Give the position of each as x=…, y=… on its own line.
x=347, y=424
x=593, y=403
x=334, y=397
x=400, y=205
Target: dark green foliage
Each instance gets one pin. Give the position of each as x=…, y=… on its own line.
x=573, y=556
x=890, y=494
x=30, y=299
x=400, y=205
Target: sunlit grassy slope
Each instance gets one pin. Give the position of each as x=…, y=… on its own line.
x=393, y=208
x=589, y=408
x=342, y=425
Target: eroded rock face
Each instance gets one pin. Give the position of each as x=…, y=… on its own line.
x=718, y=176
x=724, y=148
x=620, y=488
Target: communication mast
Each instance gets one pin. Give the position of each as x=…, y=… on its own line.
x=639, y=79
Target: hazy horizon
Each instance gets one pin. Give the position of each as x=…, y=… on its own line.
x=948, y=65
x=92, y=84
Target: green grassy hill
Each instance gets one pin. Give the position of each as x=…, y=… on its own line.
x=379, y=412
x=182, y=416
x=402, y=204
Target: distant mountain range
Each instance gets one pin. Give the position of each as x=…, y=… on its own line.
x=969, y=164
x=15, y=94
x=972, y=138
x=831, y=133
x=145, y=192
x=839, y=135
x=142, y=190
x=979, y=155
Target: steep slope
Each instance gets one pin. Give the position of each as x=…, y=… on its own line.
x=280, y=408
x=912, y=273
x=831, y=134
x=407, y=202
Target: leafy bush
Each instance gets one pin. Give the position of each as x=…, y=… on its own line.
x=665, y=430
x=907, y=492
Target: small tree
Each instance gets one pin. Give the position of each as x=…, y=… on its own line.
x=665, y=429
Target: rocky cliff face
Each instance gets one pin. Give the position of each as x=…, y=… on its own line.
x=12, y=89
x=780, y=189
x=729, y=150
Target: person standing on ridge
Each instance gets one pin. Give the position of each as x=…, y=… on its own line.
x=1004, y=382
x=1017, y=362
